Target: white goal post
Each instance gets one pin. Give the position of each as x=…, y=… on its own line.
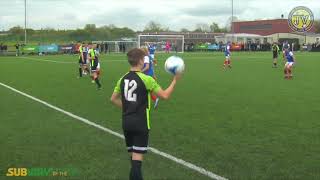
x=176, y=42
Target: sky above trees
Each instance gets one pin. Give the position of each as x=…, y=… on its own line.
x=174, y=14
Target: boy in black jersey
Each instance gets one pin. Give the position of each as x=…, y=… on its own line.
x=275, y=52
x=95, y=65
x=132, y=94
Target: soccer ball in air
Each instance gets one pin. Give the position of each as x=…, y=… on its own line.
x=174, y=65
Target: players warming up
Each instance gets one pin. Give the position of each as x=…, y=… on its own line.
x=289, y=64
x=132, y=94
x=227, y=53
x=275, y=51
x=95, y=65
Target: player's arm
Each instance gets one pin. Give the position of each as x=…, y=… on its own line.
x=147, y=64
x=165, y=94
x=82, y=57
x=116, y=100
x=146, y=68
x=81, y=54
x=88, y=55
x=228, y=49
x=115, y=97
x=97, y=53
x=293, y=57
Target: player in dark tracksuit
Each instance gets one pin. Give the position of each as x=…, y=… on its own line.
x=132, y=94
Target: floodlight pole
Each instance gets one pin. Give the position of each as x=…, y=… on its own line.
x=305, y=37
x=232, y=20
x=25, y=22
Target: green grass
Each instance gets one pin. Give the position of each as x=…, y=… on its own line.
x=247, y=123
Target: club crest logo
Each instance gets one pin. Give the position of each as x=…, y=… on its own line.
x=301, y=19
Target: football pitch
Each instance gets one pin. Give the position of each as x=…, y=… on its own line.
x=244, y=123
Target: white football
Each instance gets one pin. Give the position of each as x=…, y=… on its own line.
x=174, y=65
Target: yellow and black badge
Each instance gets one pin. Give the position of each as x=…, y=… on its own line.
x=301, y=19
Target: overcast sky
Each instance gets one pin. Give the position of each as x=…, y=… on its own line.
x=175, y=14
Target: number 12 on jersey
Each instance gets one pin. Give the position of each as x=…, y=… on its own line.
x=129, y=88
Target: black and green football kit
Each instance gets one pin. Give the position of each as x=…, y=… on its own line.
x=135, y=88
x=80, y=60
x=275, y=50
x=82, y=51
x=94, y=62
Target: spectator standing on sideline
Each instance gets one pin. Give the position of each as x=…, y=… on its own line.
x=17, y=49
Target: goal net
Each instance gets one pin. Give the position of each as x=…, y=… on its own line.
x=115, y=46
x=173, y=43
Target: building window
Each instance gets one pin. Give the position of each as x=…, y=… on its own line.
x=256, y=27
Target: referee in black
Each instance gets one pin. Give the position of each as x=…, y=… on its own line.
x=132, y=94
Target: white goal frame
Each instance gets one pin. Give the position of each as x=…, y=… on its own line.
x=164, y=37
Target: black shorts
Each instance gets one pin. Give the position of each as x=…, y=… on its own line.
x=137, y=141
x=82, y=63
x=275, y=55
x=95, y=66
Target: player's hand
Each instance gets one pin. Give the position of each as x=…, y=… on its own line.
x=177, y=76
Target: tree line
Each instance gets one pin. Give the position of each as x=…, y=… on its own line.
x=90, y=32
x=48, y=35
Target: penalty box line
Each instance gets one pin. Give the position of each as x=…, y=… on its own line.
x=154, y=150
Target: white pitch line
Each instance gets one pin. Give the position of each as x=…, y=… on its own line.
x=47, y=60
x=123, y=61
x=65, y=62
x=154, y=150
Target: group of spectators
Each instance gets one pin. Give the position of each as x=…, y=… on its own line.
x=243, y=47
x=189, y=47
x=235, y=47
x=315, y=47
x=3, y=48
x=107, y=48
x=255, y=46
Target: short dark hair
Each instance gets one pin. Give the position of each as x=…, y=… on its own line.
x=135, y=55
